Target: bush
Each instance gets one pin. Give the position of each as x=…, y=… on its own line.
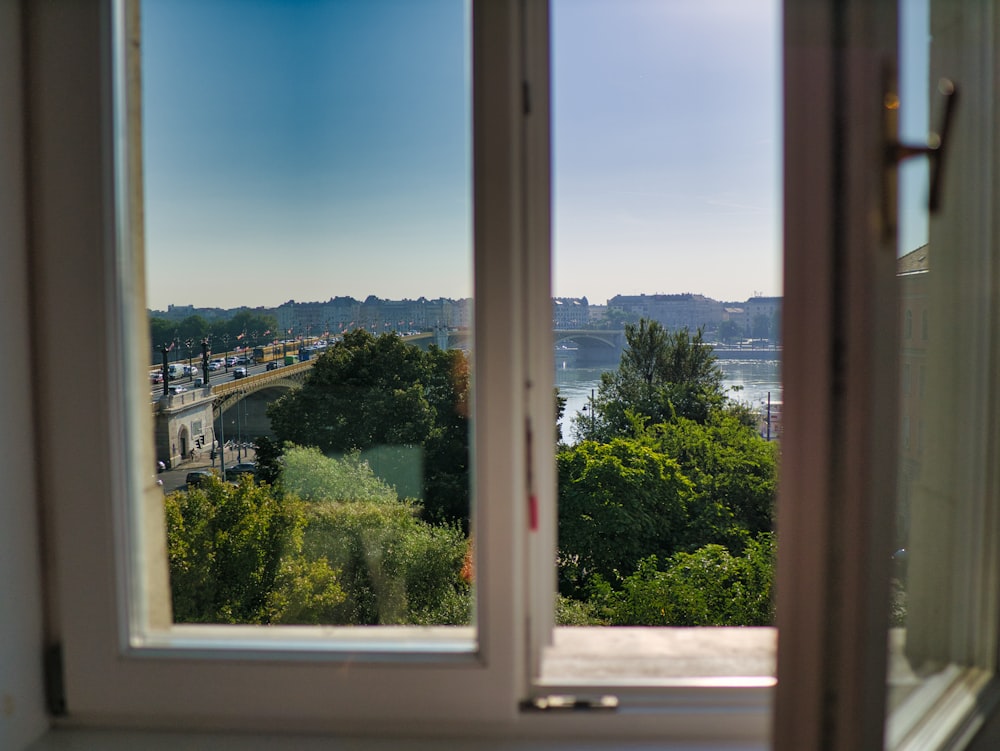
x=709, y=587
x=235, y=556
x=394, y=567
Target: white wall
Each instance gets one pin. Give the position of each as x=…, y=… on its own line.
x=22, y=714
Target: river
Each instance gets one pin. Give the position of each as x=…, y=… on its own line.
x=748, y=381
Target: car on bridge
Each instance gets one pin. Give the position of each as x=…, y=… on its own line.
x=273, y=365
x=240, y=372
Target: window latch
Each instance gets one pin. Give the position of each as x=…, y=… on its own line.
x=936, y=146
x=896, y=152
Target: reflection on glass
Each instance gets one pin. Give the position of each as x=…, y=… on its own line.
x=666, y=322
x=307, y=205
x=943, y=609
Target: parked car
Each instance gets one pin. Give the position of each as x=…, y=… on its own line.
x=199, y=477
x=243, y=468
x=240, y=372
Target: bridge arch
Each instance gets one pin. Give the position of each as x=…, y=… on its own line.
x=580, y=347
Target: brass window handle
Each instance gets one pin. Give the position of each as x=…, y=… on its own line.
x=936, y=146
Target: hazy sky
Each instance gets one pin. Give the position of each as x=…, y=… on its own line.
x=306, y=149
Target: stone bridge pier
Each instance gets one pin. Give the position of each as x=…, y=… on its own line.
x=181, y=422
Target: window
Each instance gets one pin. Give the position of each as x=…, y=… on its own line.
x=472, y=678
x=839, y=419
x=298, y=201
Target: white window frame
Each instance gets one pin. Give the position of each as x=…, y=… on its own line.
x=118, y=660
x=838, y=430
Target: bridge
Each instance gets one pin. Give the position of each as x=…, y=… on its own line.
x=194, y=419
x=182, y=419
x=572, y=346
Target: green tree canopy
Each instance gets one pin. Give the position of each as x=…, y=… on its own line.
x=733, y=472
x=347, y=552
x=246, y=328
x=618, y=503
x=662, y=375
x=730, y=331
x=394, y=567
x=235, y=556
x=675, y=487
x=368, y=392
x=708, y=587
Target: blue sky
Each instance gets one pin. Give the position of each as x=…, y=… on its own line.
x=326, y=151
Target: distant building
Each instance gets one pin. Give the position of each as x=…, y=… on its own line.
x=570, y=312
x=374, y=314
x=596, y=315
x=672, y=311
x=762, y=317
x=912, y=272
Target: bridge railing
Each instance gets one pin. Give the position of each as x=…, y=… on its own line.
x=259, y=379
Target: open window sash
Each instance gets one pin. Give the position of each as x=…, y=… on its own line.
x=106, y=558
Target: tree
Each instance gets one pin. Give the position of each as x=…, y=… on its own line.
x=394, y=568
x=560, y=411
x=729, y=332
x=733, y=474
x=193, y=327
x=313, y=477
x=618, y=503
x=268, y=456
x=246, y=328
x=761, y=327
x=161, y=331
x=367, y=393
x=330, y=543
x=661, y=376
x=708, y=587
x=235, y=556
x=616, y=318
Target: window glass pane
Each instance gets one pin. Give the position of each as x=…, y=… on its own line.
x=913, y=268
x=943, y=609
x=307, y=211
x=666, y=318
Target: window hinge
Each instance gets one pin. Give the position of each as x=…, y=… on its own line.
x=55, y=690
x=526, y=97
x=570, y=703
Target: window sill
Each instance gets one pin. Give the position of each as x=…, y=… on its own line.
x=643, y=656
x=128, y=740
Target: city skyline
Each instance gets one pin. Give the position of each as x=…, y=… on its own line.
x=362, y=298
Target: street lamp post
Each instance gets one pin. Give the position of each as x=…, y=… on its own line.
x=204, y=361
x=164, y=351
x=189, y=343
x=239, y=433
